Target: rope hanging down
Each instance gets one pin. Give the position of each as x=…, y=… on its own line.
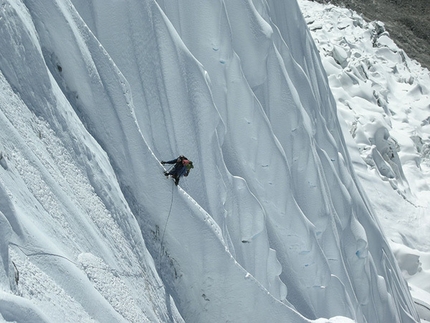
x=164, y=231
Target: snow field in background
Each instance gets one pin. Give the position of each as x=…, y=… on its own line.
x=383, y=96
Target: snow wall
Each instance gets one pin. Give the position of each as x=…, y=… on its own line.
x=270, y=226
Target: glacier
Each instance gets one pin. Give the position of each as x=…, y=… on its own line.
x=271, y=225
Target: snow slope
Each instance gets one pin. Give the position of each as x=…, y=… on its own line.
x=271, y=225
x=384, y=98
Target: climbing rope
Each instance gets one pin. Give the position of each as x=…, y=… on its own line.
x=40, y=253
x=164, y=230
x=29, y=252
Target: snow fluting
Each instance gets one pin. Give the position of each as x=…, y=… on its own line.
x=272, y=225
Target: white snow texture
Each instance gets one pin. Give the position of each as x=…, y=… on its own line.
x=272, y=224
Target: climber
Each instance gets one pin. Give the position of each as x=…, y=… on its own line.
x=182, y=167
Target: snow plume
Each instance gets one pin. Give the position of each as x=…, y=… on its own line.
x=270, y=226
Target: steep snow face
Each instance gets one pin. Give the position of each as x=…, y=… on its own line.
x=271, y=225
x=69, y=244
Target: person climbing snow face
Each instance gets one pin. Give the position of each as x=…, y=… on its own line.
x=182, y=167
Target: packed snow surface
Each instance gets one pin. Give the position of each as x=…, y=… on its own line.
x=272, y=225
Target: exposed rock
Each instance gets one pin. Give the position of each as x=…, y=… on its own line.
x=407, y=21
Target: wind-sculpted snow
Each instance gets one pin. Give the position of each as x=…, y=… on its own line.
x=270, y=226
